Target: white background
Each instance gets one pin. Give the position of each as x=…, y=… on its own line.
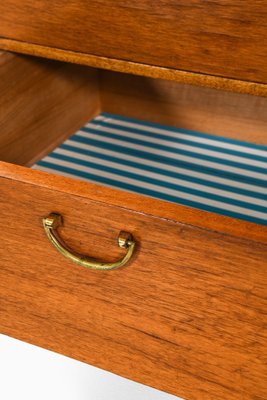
x=31, y=373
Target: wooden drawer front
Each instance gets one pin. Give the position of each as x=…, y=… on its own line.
x=187, y=315
x=219, y=37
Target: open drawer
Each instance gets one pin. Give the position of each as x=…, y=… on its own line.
x=186, y=313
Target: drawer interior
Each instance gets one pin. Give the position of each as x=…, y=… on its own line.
x=194, y=146
x=220, y=175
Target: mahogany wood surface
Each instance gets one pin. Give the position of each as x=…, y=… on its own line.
x=136, y=202
x=151, y=71
x=218, y=37
x=42, y=102
x=217, y=112
x=186, y=316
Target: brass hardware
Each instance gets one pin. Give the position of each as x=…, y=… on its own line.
x=125, y=241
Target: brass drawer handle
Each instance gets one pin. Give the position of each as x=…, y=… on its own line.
x=125, y=240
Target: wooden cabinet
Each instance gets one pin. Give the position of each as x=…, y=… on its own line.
x=187, y=314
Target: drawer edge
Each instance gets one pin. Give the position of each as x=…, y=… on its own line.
x=181, y=76
x=137, y=203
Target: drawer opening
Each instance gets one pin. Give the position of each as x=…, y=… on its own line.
x=211, y=173
x=189, y=145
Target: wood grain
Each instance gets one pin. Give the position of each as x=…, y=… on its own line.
x=151, y=71
x=42, y=102
x=48, y=101
x=201, y=109
x=218, y=37
x=136, y=202
x=187, y=316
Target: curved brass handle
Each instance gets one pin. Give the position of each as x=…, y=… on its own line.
x=125, y=240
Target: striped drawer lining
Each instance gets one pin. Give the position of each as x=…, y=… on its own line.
x=203, y=171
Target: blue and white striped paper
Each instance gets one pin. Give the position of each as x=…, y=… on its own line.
x=203, y=171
